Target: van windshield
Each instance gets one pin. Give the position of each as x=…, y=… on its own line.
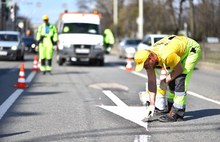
x=84, y=28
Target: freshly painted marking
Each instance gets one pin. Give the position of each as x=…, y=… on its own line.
x=115, y=99
x=7, y=104
x=133, y=114
x=125, y=111
x=189, y=92
x=12, y=98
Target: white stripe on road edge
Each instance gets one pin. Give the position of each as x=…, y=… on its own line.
x=7, y=104
x=31, y=76
x=136, y=73
x=188, y=92
x=202, y=97
x=12, y=98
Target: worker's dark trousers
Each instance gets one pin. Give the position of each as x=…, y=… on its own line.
x=177, y=95
x=45, y=64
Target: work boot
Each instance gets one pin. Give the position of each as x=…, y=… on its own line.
x=170, y=117
x=157, y=114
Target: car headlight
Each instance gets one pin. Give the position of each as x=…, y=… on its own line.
x=33, y=45
x=14, y=48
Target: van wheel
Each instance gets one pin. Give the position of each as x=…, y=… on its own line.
x=60, y=61
x=100, y=62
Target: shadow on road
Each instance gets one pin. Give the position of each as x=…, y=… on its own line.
x=12, y=134
x=42, y=93
x=201, y=113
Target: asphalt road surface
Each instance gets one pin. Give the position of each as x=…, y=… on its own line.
x=84, y=103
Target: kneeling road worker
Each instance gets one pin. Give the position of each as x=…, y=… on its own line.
x=181, y=55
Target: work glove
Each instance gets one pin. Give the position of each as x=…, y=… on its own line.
x=163, y=84
x=36, y=48
x=150, y=111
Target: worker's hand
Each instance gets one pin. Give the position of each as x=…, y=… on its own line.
x=36, y=48
x=55, y=47
x=163, y=84
x=150, y=111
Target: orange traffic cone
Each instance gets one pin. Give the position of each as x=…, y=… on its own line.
x=163, y=73
x=129, y=64
x=21, y=79
x=35, y=64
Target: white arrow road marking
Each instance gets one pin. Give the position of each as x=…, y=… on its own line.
x=133, y=114
x=115, y=99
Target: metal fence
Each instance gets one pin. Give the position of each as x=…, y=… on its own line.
x=210, y=52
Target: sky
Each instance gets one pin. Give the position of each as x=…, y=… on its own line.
x=35, y=9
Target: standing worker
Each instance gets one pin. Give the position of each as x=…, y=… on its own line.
x=109, y=40
x=47, y=38
x=181, y=54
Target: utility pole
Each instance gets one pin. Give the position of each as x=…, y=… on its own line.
x=140, y=20
x=192, y=23
x=115, y=12
x=115, y=17
x=3, y=14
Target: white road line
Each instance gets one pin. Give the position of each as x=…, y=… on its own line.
x=13, y=97
x=189, y=92
x=31, y=76
x=202, y=97
x=136, y=73
x=115, y=99
x=7, y=104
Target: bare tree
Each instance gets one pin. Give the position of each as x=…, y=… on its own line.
x=164, y=16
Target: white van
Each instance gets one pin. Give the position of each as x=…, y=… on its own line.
x=80, y=38
x=149, y=40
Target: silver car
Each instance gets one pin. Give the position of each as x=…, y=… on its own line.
x=149, y=40
x=127, y=43
x=11, y=45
